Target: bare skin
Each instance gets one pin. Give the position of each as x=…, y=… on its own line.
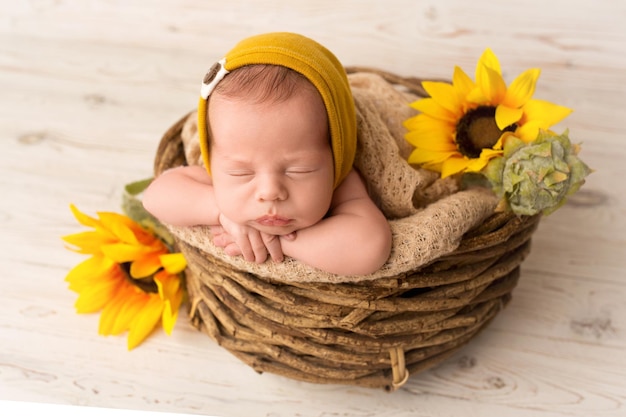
x=270, y=195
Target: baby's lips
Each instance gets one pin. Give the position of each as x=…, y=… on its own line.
x=273, y=221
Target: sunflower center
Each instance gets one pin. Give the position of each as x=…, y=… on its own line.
x=146, y=285
x=477, y=130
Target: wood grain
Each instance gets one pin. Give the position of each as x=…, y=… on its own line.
x=89, y=87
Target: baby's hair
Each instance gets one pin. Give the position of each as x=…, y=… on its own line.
x=263, y=83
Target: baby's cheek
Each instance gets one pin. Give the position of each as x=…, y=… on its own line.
x=229, y=209
x=231, y=203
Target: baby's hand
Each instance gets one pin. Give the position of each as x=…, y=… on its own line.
x=253, y=245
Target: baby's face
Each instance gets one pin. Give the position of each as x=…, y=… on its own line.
x=271, y=163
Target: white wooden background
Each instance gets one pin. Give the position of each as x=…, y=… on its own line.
x=88, y=86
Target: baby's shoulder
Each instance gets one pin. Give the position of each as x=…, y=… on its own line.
x=353, y=186
x=184, y=173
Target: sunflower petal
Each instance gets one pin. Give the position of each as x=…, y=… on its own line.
x=170, y=312
x=462, y=83
x=127, y=313
x=96, y=297
x=145, y=266
x=123, y=252
x=453, y=166
x=492, y=85
x=546, y=112
x=487, y=153
x=124, y=294
x=173, y=262
x=121, y=226
x=82, y=218
x=477, y=97
x=89, y=270
x=145, y=322
x=528, y=131
x=423, y=122
x=123, y=233
x=109, y=218
x=522, y=88
x=506, y=116
x=432, y=141
x=168, y=285
x=477, y=164
x=169, y=317
x=87, y=242
x=422, y=156
x=489, y=79
x=428, y=133
x=444, y=94
x=433, y=166
x=488, y=59
x=88, y=221
x=172, y=295
x=433, y=109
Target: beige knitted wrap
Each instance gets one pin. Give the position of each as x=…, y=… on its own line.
x=428, y=216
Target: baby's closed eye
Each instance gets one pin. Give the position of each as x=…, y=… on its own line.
x=301, y=170
x=240, y=173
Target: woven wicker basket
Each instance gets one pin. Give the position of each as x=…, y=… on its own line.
x=372, y=334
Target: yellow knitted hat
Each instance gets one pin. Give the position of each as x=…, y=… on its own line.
x=308, y=58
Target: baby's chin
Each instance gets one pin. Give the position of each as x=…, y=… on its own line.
x=277, y=230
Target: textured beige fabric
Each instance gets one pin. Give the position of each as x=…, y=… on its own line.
x=189, y=137
x=428, y=216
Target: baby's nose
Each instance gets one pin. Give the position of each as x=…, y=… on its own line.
x=271, y=188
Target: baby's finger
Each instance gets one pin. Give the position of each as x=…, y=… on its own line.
x=246, y=251
x=220, y=241
x=272, y=243
x=216, y=230
x=258, y=247
x=232, y=250
x=223, y=240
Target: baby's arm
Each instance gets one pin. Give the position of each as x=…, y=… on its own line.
x=354, y=239
x=182, y=196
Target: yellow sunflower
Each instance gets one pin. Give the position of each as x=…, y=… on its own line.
x=130, y=277
x=462, y=125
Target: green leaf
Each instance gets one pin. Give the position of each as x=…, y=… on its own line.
x=133, y=208
x=137, y=187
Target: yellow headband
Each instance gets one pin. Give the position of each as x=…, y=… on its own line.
x=308, y=58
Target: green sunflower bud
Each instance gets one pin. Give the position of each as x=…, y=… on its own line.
x=537, y=177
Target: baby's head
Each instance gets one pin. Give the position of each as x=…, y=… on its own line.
x=304, y=57
x=271, y=159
